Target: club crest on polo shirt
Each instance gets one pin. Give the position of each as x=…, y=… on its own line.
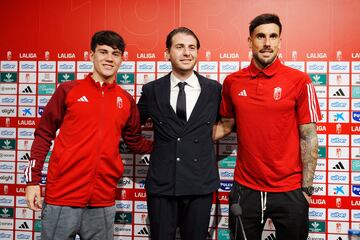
x=277, y=93
x=119, y=102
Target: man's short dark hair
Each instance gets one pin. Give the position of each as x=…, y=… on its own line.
x=108, y=38
x=181, y=30
x=264, y=19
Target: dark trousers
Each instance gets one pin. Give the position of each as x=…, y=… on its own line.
x=190, y=213
x=287, y=210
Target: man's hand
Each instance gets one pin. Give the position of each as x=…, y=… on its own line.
x=222, y=128
x=33, y=197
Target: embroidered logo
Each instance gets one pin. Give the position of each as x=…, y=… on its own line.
x=83, y=99
x=277, y=93
x=119, y=102
x=243, y=93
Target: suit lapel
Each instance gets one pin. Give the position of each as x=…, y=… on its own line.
x=201, y=102
x=162, y=95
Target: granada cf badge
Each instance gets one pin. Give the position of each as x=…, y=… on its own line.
x=277, y=93
x=119, y=102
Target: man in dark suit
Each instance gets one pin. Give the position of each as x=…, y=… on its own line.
x=183, y=174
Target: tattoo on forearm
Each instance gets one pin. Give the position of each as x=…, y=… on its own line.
x=309, y=152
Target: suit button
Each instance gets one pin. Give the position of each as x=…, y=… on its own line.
x=208, y=123
x=195, y=160
x=178, y=159
x=196, y=141
x=160, y=122
x=179, y=139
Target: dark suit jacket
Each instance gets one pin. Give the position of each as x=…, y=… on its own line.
x=183, y=160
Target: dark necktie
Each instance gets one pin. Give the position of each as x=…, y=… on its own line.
x=181, y=102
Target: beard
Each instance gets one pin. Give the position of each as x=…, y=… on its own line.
x=263, y=62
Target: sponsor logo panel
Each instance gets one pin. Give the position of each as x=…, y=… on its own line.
x=164, y=67
x=296, y=65
x=338, y=190
x=8, y=77
x=317, y=213
x=208, y=67
x=47, y=66
x=9, y=66
x=27, y=77
x=145, y=66
x=339, y=79
x=316, y=67
x=127, y=66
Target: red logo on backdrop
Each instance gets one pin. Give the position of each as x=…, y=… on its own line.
x=277, y=93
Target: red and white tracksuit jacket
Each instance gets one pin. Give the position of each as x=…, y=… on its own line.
x=85, y=164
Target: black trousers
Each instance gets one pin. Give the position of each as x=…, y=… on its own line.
x=289, y=212
x=190, y=213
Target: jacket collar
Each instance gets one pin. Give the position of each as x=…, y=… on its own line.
x=97, y=84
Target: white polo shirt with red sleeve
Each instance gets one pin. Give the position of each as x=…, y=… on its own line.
x=268, y=106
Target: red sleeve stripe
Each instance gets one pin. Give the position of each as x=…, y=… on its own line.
x=312, y=103
x=28, y=177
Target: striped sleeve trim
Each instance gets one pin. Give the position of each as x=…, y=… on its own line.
x=28, y=171
x=312, y=103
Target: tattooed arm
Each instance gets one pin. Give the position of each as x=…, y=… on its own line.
x=309, y=153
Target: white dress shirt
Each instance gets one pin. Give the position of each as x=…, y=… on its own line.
x=192, y=91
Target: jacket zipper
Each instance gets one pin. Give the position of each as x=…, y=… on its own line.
x=97, y=160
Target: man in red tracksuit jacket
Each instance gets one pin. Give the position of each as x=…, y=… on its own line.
x=85, y=165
